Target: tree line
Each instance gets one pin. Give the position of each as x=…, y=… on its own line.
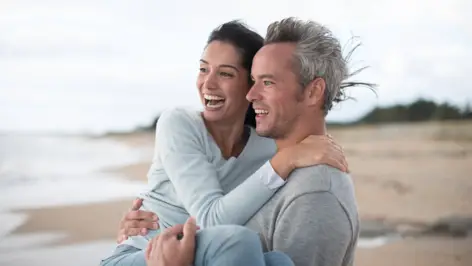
x=417, y=111
x=420, y=110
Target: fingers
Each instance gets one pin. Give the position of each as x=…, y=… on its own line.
x=336, y=146
x=124, y=233
x=346, y=165
x=149, y=248
x=140, y=224
x=141, y=215
x=189, y=230
x=172, y=232
x=334, y=162
x=338, y=155
x=338, y=158
x=156, y=246
x=121, y=237
x=132, y=226
x=314, y=139
x=135, y=231
x=137, y=227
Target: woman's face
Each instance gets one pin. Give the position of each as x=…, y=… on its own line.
x=222, y=83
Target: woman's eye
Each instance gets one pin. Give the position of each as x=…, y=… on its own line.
x=202, y=69
x=226, y=74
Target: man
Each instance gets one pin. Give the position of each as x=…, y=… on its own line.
x=298, y=74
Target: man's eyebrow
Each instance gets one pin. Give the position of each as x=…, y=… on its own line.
x=264, y=76
x=223, y=65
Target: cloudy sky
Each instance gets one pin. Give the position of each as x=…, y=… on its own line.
x=92, y=65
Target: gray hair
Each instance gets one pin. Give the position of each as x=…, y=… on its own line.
x=318, y=54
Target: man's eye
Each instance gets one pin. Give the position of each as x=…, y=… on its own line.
x=202, y=69
x=267, y=82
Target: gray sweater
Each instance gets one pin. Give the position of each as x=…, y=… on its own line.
x=313, y=218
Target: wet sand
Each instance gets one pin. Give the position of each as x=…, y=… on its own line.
x=406, y=175
x=80, y=223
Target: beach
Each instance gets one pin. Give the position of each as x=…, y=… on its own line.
x=413, y=185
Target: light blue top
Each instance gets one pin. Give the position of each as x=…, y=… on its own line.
x=189, y=176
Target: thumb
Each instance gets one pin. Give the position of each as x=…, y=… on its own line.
x=190, y=230
x=137, y=203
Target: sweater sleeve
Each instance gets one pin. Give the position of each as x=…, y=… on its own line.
x=182, y=152
x=314, y=230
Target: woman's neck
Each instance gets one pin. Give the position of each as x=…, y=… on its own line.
x=231, y=138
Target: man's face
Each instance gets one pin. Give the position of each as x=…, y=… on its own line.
x=277, y=96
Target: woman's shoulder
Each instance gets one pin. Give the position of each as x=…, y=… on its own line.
x=178, y=114
x=180, y=117
x=180, y=120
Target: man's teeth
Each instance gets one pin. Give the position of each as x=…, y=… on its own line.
x=261, y=112
x=212, y=97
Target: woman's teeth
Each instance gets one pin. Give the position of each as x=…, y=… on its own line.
x=214, y=104
x=213, y=100
x=212, y=97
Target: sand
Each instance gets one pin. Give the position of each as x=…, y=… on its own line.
x=434, y=251
x=81, y=223
x=410, y=174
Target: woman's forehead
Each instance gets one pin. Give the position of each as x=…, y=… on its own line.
x=221, y=53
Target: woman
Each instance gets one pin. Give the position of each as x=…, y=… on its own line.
x=212, y=165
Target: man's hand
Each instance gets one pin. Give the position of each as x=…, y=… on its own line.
x=167, y=250
x=136, y=222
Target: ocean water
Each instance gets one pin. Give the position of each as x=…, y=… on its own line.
x=43, y=171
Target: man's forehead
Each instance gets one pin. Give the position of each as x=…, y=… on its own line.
x=277, y=55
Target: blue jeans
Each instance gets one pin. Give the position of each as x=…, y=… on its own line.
x=226, y=245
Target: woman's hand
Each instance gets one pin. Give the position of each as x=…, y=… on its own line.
x=136, y=222
x=313, y=150
x=316, y=150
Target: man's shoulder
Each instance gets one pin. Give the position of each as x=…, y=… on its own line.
x=319, y=178
x=327, y=180
x=331, y=186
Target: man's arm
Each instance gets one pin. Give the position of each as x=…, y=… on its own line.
x=175, y=246
x=313, y=230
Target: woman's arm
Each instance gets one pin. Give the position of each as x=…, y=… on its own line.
x=180, y=147
x=182, y=154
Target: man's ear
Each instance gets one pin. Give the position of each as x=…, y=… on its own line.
x=314, y=92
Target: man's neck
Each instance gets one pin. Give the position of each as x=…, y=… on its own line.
x=300, y=131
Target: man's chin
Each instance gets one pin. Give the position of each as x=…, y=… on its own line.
x=263, y=132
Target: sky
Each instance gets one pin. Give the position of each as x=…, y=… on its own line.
x=94, y=66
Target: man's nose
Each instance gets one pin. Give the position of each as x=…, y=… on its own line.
x=254, y=93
